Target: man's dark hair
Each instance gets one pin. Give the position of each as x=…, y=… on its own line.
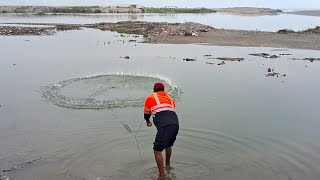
x=158, y=87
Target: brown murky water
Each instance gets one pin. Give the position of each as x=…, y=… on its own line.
x=236, y=123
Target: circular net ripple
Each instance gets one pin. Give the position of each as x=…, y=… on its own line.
x=106, y=91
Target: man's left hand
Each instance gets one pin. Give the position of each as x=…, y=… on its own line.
x=149, y=123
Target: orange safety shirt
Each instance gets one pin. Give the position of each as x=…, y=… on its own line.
x=157, y=102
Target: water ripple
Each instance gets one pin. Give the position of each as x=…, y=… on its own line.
x=101, y=91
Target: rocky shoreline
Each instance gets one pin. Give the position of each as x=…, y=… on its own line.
x=182, y=33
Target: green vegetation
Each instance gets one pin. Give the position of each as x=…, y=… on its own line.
x=41, y=14
x=77, y=9
x=124, y=31
x=97, y=11
x=179, y=10
x=278, y=11
x=18, y=11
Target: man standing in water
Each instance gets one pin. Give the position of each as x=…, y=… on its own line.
x=162, y=107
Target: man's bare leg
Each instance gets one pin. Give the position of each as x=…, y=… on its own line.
x=160, y=164
x=168, y=155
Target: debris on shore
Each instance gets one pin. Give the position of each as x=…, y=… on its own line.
x=285, y=31
x=125, y=57
x=150, y=30
x=222, y=63
x=153, y=30
x=265, y=55
x=315, y=30
x=175, y=33
x=311, y=59
x=67, y=27
x=230, y=59
x=26, y=31
x=272, y=73
x=189, y=59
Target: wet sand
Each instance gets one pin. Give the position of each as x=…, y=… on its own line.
x=248, y=38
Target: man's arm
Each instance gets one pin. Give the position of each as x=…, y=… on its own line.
x=147, y=112
x=147, y=117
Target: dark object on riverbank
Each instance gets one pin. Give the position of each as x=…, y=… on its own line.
x=222, y=63
x=189, y=59
x=285, y=31
x=265, y=55
x=273, y=57
x=126, y=57
x=230, y=59
x=312, y=59
x=272, y=73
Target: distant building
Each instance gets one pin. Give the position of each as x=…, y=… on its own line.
x=123, y=8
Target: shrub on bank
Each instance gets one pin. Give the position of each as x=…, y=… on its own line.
x=41, y=14
x=76, y=10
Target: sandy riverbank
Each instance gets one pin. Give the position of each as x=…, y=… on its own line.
x=249, y=38
x=185, y=33
x=253, y=11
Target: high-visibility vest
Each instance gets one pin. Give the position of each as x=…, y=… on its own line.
x=157, y=102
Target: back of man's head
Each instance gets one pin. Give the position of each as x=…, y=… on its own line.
x=158, y=87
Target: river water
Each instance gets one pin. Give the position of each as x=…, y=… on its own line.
x=235, y=121
x=216, y=20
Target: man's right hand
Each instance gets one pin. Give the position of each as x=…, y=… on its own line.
x=149, y=123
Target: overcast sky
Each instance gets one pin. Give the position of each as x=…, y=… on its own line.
x=283, y=4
